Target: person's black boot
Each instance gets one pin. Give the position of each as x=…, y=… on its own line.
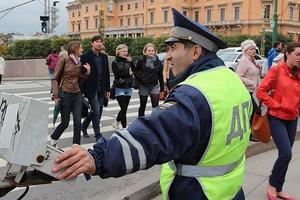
x=84, y=132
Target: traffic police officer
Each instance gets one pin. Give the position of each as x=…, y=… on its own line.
x=201, y=131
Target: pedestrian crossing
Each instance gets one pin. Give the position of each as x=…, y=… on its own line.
x=108, y=117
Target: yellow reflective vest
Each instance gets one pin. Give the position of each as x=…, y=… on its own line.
x=220, y=171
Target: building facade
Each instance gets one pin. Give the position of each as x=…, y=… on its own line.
x=134, y=18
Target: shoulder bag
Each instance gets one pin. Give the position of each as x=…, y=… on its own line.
x=260, y=124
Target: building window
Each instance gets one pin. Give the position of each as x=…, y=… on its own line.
x=299, y=16
x=291, y=16
x=165, y=16
x=73, y=14
x=151, y=1
x=222, y=14
x=267, y=11
x=121, y=7
x=87, y=9
x=236, y=13
x=86, y=24
x=208, y=15
x=73, y=27
x=121, y=22
x=96, y=7
x=128, y=21
x=136, y=5
x=128, y=6
x=196, y=15
x=151, y=17
x=78, y=26
x=96, y=23
x=184, y=12
x=136, y=22
x=78, y=13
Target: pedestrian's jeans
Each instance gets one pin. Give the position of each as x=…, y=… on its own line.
x=283, y=134
x=72, y=102
x=95, y=114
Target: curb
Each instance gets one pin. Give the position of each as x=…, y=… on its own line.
x=24, y=78
x=150, y=188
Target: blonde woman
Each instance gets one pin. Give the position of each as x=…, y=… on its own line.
x=149, y=74
x=122, y=68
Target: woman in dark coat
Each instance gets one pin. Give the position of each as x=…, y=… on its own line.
x=122, y=68
x=149, y=74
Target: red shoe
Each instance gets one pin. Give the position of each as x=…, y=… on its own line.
x=285, y=197
x=270, y=196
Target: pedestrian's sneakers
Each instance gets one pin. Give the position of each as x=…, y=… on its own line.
x=52, y=141
x=116, y=125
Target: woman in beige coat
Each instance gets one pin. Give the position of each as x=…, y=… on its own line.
x=249, y=71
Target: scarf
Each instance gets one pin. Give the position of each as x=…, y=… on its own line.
x=75, y=59
x=150, y=62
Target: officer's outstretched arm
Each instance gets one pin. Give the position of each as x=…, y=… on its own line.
x=171, y=131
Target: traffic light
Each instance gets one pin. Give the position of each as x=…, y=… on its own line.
x=44, y=24
x=54, y=16
x=44, y=27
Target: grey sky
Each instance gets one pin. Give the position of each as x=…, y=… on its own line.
x=26, y=19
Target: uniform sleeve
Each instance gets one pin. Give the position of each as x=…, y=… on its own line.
x=172, y=130
x=264, y=88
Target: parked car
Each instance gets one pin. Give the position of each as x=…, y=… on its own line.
x=277, y=59
x=231, y=59
x=233, y=49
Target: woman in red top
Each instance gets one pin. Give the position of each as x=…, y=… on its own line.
x=283, y=111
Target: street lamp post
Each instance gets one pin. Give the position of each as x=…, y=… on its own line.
x=263, y=32
x=274, y=33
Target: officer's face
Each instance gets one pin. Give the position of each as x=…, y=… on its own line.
x=179, y=57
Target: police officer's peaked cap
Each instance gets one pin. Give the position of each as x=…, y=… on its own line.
x=186, y=29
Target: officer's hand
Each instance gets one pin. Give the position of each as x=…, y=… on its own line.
x=75, y=161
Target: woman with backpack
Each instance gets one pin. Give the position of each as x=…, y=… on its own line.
x=51, y=61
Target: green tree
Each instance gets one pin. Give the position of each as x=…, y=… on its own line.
x=160, y=43
x=138, y=44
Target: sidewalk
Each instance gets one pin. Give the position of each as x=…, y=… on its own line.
x=261, y=158
x=258, y=169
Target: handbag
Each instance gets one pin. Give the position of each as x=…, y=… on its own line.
x=60, y=91
x=260, y=124
x=136, y=84
x=85, y=108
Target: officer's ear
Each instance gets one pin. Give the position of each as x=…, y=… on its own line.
x=198, y=52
